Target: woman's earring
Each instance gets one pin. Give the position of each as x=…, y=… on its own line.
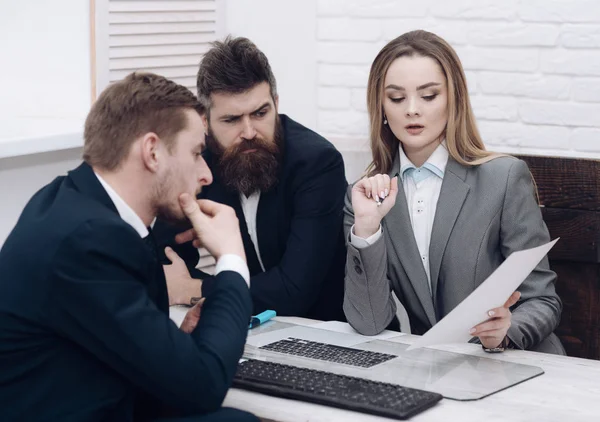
x=384, y=120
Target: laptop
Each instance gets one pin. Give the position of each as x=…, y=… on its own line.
x=454, y=376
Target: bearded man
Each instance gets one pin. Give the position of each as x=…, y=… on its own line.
x=285, y=182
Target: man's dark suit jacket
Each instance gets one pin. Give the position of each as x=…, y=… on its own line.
x=84, y=327
x=299, y=229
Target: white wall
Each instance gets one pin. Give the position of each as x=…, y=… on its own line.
x=45, y=77
x=286, y=32
x=45, y=50
x=533, y=67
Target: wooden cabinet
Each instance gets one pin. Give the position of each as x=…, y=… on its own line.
x=569, y=194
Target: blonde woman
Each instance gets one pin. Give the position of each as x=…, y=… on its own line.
x=437, y=213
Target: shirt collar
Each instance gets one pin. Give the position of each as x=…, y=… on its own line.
x=125, y=211
x=436, y=162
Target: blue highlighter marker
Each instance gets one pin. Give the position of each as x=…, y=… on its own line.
x=261, y=318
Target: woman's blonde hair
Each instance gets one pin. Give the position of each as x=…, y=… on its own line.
x=462, y=137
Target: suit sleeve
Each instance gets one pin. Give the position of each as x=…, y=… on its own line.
x=292, y=287
x=99, y=300
x=537, y=313
x=368, y=303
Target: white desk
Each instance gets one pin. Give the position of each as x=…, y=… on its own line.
x=568, y=391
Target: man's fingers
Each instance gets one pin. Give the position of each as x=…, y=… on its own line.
x=188, y=205
x=197, y=243
x=172, y=255
x=185, y=236
x=190, y=321
x=514, y=298
x=209, y=207
x=192, y=210
x=195, y=310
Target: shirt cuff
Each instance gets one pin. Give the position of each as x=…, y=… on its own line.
x=232, y=262
x=361, y=243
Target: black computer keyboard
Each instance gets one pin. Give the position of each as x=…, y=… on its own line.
x=328, y=352
x=351, y=393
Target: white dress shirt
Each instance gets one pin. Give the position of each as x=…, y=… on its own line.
x=227, y=262
x=422, y=197
x=250, y=209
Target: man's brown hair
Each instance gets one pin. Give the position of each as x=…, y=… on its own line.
x=127, y=109
x=233, y=66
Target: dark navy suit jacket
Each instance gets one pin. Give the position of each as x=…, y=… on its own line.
x=299, y=230
x=84, y=327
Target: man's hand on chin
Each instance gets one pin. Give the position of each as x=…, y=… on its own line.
x=180, y=285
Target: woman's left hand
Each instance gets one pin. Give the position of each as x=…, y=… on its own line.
x=492, y=332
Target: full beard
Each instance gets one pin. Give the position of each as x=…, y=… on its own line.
x=249, y=172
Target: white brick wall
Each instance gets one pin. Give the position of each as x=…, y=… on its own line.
x=533, y=67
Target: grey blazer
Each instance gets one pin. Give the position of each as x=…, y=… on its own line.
x=484, y=214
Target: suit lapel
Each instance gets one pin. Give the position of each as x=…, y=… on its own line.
x=452, y=197
x=218, y=193
x=397, y=223
x=269, y=209
x=157, y=284
x=266, y=228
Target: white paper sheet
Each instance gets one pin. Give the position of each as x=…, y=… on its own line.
x=342, y=327
x=492, y=293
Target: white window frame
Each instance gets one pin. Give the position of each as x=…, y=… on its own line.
x=99, y=37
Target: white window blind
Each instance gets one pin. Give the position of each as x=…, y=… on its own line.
x=206, y=262
x=167, y=37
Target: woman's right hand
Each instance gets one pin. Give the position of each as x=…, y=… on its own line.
x=365, y=195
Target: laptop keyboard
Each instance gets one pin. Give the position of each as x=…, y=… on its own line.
x=351, y=393
x=328, y=352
